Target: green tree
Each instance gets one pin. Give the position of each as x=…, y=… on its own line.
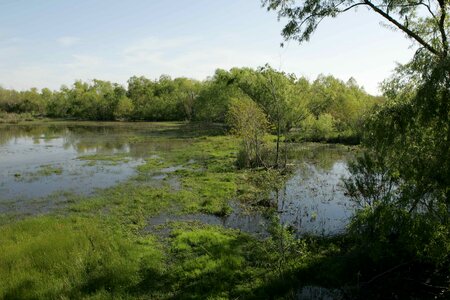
x=402, y=180
x=214, y=98
x=424, y=21
x=164, y=99
x=124, y=109
x=187, y=93
x=280, y=97
x=249, y=123
x=140, y=91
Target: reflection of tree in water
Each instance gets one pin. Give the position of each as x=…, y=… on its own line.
x=97, y=139
x=138, y=141
x=312, y=200
x=36, y=133
x=323, y=156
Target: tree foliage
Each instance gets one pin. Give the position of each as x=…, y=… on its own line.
x=324, y=109
x=249, y=123
x=424, y=21
x=401, y=182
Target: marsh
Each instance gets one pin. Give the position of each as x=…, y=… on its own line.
x=44, y=164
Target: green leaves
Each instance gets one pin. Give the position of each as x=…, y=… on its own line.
x=425, y=22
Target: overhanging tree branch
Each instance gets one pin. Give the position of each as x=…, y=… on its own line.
x=403, y=28
x=430, y=32
x=442, y=20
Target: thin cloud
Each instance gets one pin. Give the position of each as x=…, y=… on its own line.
x=68, y=41
x=153, y=48
x=82, y=61
x=186, y=56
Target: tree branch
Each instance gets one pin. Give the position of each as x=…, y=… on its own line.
x=403, y=28
x=442, y=28
x=351, y=6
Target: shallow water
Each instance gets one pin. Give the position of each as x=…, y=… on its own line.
x=240, y=219
x=318, y=293
x=42, y=163
x=40, y=160
x=313, y=200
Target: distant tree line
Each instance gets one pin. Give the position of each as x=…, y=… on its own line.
x=324, y=108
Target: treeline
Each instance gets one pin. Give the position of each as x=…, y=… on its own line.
x=332, y=107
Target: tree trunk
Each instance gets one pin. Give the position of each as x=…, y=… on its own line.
x=278, y=144
x=285, y=151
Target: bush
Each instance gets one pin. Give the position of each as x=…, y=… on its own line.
x=250, y=123
x=319, y=129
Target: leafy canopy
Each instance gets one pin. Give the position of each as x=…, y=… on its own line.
x=424, y=21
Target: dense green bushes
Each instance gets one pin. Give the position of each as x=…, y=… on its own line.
x=324, y=109
x=402, y=182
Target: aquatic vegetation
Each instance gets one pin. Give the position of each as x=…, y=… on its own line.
x=48, y=170
x=100, y=245
x=105, y=159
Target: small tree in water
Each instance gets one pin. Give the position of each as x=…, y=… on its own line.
x=250, y=123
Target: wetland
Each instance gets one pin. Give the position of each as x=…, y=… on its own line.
x=160, y=209
x=44, y=165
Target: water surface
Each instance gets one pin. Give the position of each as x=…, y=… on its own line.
x=48, y=161
x=41, y=160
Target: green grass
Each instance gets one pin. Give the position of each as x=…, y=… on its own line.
x=96, y=246
x=55, y=257
x=208, y=179
x=77, y=257
x=212, y=257
x=42, y=171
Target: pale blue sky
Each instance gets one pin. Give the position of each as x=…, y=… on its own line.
x=47, y=43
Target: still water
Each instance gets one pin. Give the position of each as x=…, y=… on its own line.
x=48, y=161
x=313, y=200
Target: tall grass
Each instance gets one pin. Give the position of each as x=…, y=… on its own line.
x=49, y=257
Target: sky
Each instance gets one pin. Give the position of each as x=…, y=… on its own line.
x=54, y=42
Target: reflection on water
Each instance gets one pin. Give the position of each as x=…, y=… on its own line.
x=41, y=160
x=250, y=222
x=29, y=153
x=313, y=200
x=318, y=293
